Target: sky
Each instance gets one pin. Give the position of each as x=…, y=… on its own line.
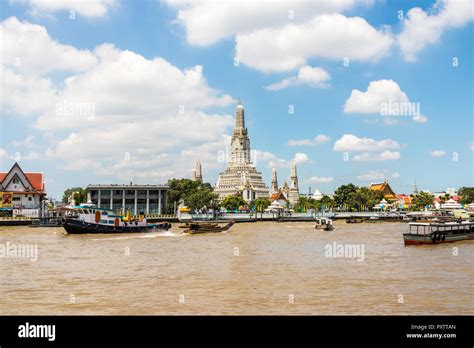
x=113, y=91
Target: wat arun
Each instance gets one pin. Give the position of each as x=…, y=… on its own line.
x=240, y=175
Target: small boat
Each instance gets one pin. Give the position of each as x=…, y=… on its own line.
x=88, y=219
x=439, y=232
x=205, y=227
x=324, y=224
x=374, y=218
x=354, y=220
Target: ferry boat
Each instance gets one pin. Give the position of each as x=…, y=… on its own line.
x=324, y=224
x=89, y=219
x=438, y=232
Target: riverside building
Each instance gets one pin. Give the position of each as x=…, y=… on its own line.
x=139, y=199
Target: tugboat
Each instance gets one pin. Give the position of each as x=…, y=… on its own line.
x=88, y=219
x=439, y=232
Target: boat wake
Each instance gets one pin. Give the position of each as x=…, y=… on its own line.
x=147, y=235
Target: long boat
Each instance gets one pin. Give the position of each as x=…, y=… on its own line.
x=89, y=219
x=438, y=232
x=205, y=227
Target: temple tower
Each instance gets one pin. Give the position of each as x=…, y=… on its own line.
x=274, y=181
x=294, y=192
x=197, y=172
x=240, y=171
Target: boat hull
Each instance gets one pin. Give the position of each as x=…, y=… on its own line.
x=414, y=239
x=78, y=227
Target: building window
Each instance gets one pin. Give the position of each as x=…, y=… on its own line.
x=29, y=198
x=15, y=180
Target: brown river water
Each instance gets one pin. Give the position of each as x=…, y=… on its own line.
x=263, y=268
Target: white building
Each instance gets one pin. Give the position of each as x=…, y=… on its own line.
x=22, y=193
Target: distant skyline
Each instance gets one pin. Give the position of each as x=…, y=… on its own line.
x=113, y=91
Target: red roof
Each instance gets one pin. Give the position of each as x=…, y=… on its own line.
x=36, y=180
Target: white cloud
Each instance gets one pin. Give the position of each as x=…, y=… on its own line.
x=320, y=179
x=350, y=142
x=308, y=76
x=288, y=47
x=117, y=114
x=207, y=22
x=438, y=153
x=383, y=97
x=372, y=175
x=28, y=49
x=395, y=175
x=273, y=160
x=471, y=146
x=280, y=35
x=376, y=175
x=319, y=139
x=421, y=28
x=420, y=119
x=87, y=8
x=378, y=92
x=384, y=156
x=300, y=158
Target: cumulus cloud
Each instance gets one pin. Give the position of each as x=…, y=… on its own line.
x=28, y=49
x=350, y=142
x=319, y=139
x=117, y=113
x=288, y=47
x=308, y=76
x=273, y=160
x=384, y=156
x=300, y=158
x=383, y=97
x=421, y=28
x=207, y=22
x=438, y=153
x=320, y=180
x=87, y=8
x=376, y=175
x=368, y=149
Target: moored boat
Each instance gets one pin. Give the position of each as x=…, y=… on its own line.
x=205, y=227
x=88, y=219
x=435, y=233
x=354, y=220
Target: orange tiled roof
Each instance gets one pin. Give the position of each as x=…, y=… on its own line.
x=36, y=179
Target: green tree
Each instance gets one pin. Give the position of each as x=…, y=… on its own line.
x=444, y=198
x=344, y=195
x=200, y=198
x=302, y=205
x=421, y=200
x=181, y=189
x=467, y=195
x=261, y=204
x=80, y=195
x=232, y=202
x=326, y=202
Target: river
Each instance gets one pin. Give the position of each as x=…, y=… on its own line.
x=262, y=268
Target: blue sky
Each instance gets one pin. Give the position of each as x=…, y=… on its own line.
x=137, y=62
